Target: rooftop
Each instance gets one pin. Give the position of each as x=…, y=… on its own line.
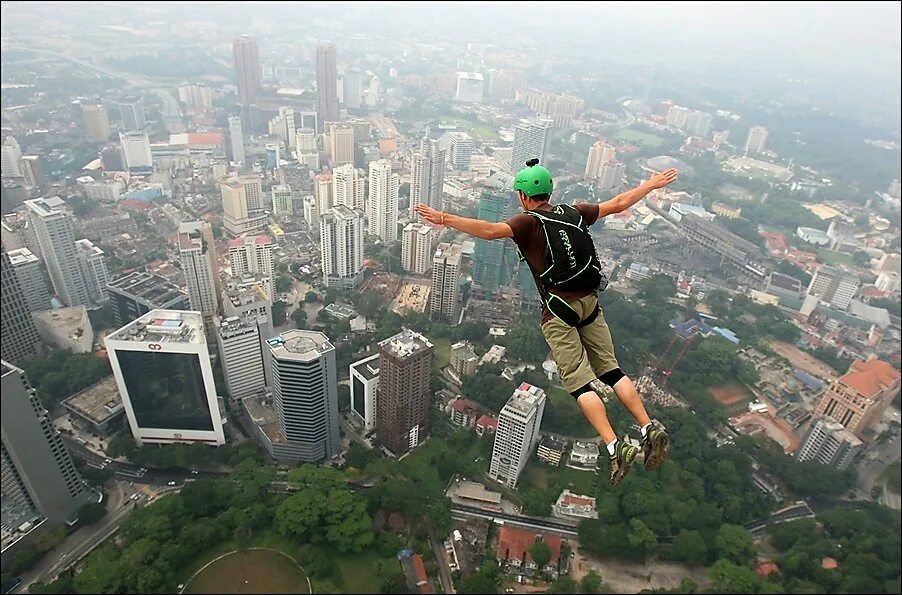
x=871, y=377
x=72, y=320
x=368, y=367
x=477, y=491
x=259, y=240
x=486, y=421
x=526, y=398
x=21, y=256
x=552, y=443
x=261, y=411
x=585, y=448
x=515, y=543
x=299, y=345
x=406, y=344
x=148, y=287
x=448, y=252
x=99, y=402
x=163, y=326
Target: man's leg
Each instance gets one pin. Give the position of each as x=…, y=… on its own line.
x=628, y=395
x=592, y=407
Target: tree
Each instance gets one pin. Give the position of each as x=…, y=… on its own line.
x=478, y=583
x=785, y=331
x=541, y=553
x=735, y=543
x=279, y=309
x=861, y=258
x=299, y=317
x=396, y=583
x=526, y=343
x=91, y=513
x=656, y=288
x=311, y=296
x=689, y=547
x=787, y=268
x=283, y=283
x=727, y=577
x=564, y=584
x=641, y=537
x=590, y=583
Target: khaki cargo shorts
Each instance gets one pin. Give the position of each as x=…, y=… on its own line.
x=584, y=354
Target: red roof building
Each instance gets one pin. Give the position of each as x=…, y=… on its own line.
x=767, y=568
x=486, y=424
x=463, y=413
x=514, y=544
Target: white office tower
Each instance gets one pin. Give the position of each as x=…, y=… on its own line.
x=305, y=392
x=241, y=353
x=599, y=154
x=136, y=151
x=289, y=132
x=341, y=244
x=242, y=205
x=163, y=371
x=352, y=88
x=460, y=150
x=340, y=143
x=253, y=255
x=382, y=205
x=530, y=140
x=236, y=138
x=281, y=200
x=198, y=257
x=364, y=384
x=834, y=286
x=11, y=158
x=97, y=123
x=93, y=269
x=427, y=176
x=517, y=434
x=305, y=139
x=416, y=248
x=829, y=443
x=445, y=288
x=53, y=228
x=348, y=187
x=470, y=87
x=756, y=141
x=311, y=213
x=322, y=191
x=28, y=273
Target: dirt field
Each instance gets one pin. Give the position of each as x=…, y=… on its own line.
x=627, y=577
x=776, y=429
x=729, y=394
x=802, y=360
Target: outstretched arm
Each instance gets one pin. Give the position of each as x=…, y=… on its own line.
x=474, y=227
x=625, y=200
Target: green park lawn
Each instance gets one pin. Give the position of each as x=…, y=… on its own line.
x=360, y=573
x=474, y=127
x=441, y=352
x=645, y=139
x=832, y=258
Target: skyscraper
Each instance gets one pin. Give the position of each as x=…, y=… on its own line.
x=489, y=270
x=427, y=177
x=39, y=478
x=445, y=273
x=402, y=401
x=829, y=443
x=756, y=141
x=32, y=171
x=326, y=84
x=341, y=244
x=253, y=254
x=242, y=356
x=97, y=123
x=305, y=392
x=163, y=371
x=517, y=433
x=53, y=228
x=311, y=213
x=348, y=187
x=136, y=150
x=416, y=248
x=197, y=254
x=27, y=268
x=610, y=175
x=364, y=385
x=858, y=398
x=93, y=269
x=10, y=158
x=242, y=205
x=305, y=140
x=247, y=68
x=236, y=137
x=322, y=191
x=19, y=338
x=460, y=150
x=131, y=108
x=352, y=88
x=140, y=292
x=599, y=154
x=834, y=286
x=470, y=87
x=281, y=200
x=382, y=204
x=340, y=143
x=530, y=140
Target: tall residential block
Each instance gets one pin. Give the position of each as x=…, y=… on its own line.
x=305, y=391
x=326, y=83
x=242, y=205
x=402, y=401
x=416, y=248
x=241, y=353
x=489, y=270
x=858, y=399
x=460, y=150
x=19, y=338
x=517, y=434
x=281, y=200
x=341, y=245
x=829, y=443
x=756, y=141
x=236, y=140
x=382, y=203
x=140, y=292
x=253, y=255
x=131, y=108
x=352, y=88
x=322, y=191
x=348, y=187
x=599, y=154
x=834, y=286
x=97, y=123
x=445, y=274
x=364, y=385
x=247, y=68
x=427, y=175
x=27, y=268
x=10, y=158
x=197, y=254
x=530, y=140
x=340, y=143
x=32, y=171
x=54, y=230
x=92, y=263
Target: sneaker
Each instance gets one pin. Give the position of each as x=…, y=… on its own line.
x=654, y=446
x=622, y=459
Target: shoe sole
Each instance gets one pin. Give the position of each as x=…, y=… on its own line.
x=624, y=467
x=658, y=452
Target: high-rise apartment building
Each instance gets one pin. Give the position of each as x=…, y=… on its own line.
x=196, y=95
x=27, y=268
x=305, y=392
x=460, y=150
x=445, y=274
x=305, y=140
x=236, y=138
x=39, y=477
x=326, y=83
x=489, y=270
x=281, y=200
x=242, y=205
x=699, y=123
x=311, y=213
x=247, y=68
x=140, y=292
x=323, y=191
x=32, y=171
x=611, y=175
x=341, y=244
x=858, y=398
x=253, y=255
x=829, y=443
x=163, y=371
x=599, y=154
x=756, y=141
x=97, y=123
x=92, y=263
x=517, y=433
x=136, y=151
x=530, y=140
x=470, y=87
x=131, y=108
x=352, y=88
x=427, y=176
x=53, y=227
x=364, y=385
x=19, y=338
x=348, y=187
x=558, y=110
x=416, y=248
x=197, y=254
x=340, y=143
x=10, y=158
x=241, y=353
x=834, y=286
x=402, y=401
x=382, y=204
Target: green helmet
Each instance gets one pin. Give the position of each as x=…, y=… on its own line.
x=533, y=179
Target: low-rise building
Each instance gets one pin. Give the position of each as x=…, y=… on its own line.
x=551, y=450
x=486, y=424
x=574, y=506
x=463, y=413
x=463, y=359
x=514, y=551
x=584, y=455
x=97, y=409
x=65, y=328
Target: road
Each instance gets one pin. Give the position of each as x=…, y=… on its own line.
x=799, y=510
x=442, y=561
x=560, y=527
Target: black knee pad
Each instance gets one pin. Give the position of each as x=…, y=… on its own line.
x=582, y=390
x=612, y=377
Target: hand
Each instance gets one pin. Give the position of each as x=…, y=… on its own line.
x=659, y=180
x=430, y=214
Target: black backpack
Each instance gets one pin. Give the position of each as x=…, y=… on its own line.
x=571, y=263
